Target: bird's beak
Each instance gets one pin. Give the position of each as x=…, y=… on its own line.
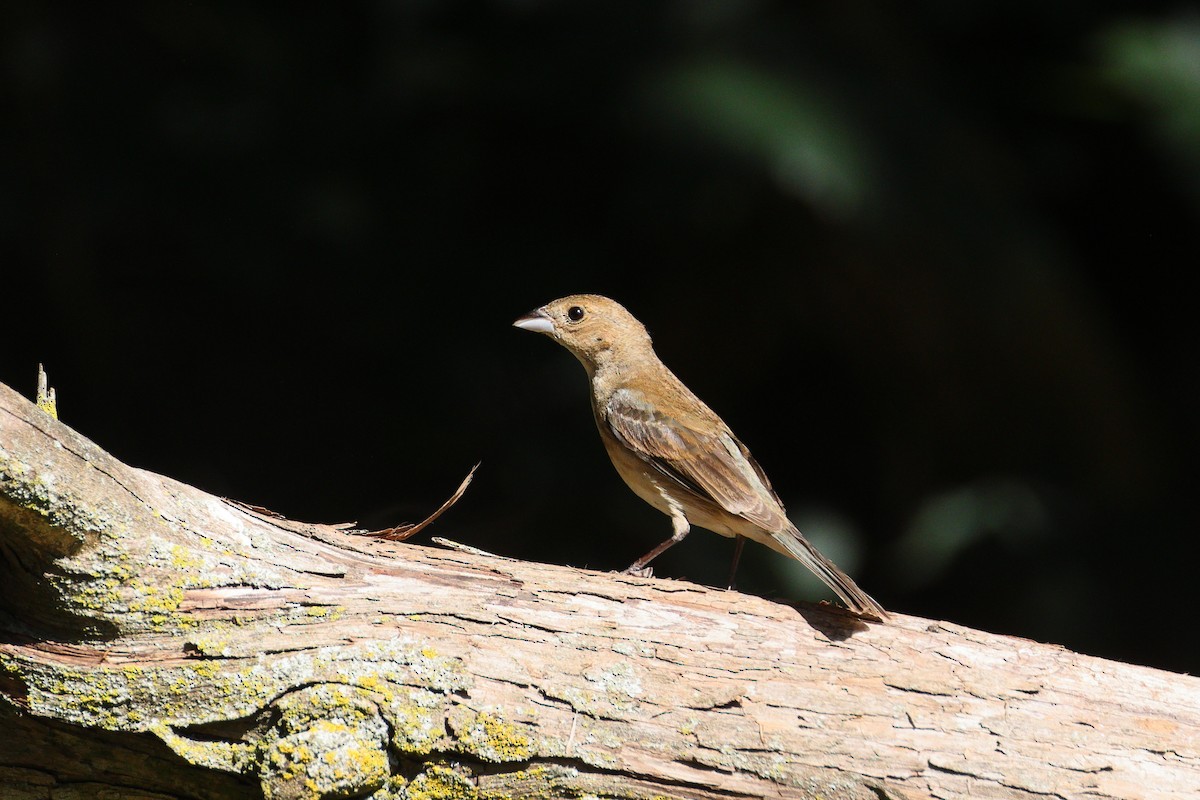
x=537, y=320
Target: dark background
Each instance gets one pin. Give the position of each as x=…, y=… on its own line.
x=929, y=263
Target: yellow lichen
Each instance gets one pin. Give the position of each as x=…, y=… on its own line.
x=492, y=739
x=442, y=782
x=183, y=558
x=206, y=669
x=154, y=598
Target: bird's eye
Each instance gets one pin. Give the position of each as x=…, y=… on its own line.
x=575, y=313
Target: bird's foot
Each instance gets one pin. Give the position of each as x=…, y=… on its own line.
x=638, y=572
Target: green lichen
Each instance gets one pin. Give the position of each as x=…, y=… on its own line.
x=38, y=493
x=541, y=781
x=381, y=674
x=125, y=568
x=330, y=702
x=327, y=741
x=284, y=771
x=238, y=757
x=400, y=662
x=394, y=788
x=610, y=689
x=118, y=698
x=417, y=721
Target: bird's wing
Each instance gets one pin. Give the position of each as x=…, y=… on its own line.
x=704, y=458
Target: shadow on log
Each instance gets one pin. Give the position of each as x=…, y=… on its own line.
x=160, y=642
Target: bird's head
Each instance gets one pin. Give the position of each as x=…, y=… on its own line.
x=594, y=328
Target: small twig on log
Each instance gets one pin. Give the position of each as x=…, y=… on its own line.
x=463, y=548
x=408, y=529
x=262, y=511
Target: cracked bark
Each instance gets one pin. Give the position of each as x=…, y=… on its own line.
x=158, y=642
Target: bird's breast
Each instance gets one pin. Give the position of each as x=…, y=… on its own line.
x=662, y=492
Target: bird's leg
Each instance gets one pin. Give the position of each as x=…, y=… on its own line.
x=739, y=542
x=681, y=527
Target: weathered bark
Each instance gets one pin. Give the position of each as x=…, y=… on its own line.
x=156, y=641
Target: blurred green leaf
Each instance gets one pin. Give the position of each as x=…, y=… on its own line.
x=783, y=122
x=1158, y=64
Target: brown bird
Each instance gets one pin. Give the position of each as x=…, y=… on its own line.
x=671, y=449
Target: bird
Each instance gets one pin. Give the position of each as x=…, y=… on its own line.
x=670, y=448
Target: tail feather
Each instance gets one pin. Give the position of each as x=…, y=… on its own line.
x=843, y=585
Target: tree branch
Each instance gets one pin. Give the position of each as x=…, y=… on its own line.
x=162, y=642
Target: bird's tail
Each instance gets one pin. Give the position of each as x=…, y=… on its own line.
x=799, y=548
